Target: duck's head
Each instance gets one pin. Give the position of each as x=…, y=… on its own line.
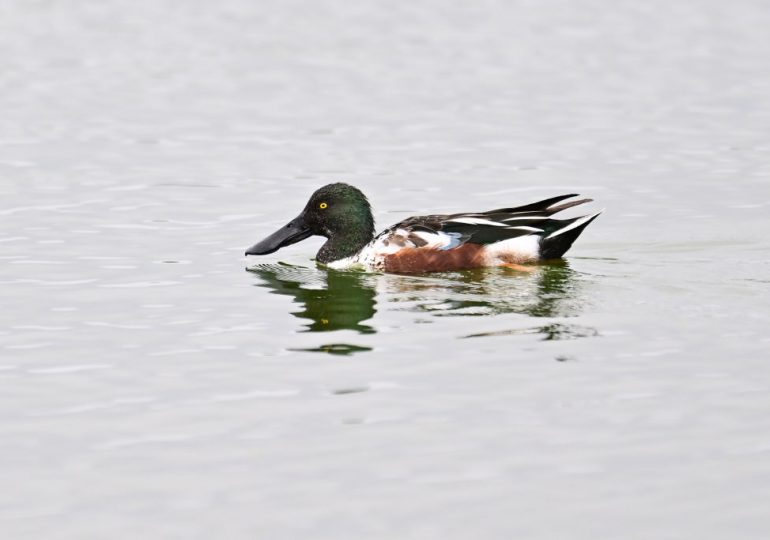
x=339, y=212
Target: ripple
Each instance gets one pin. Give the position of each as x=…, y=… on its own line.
x=56, y=370
x=102, y=258
x=104, y=324
x=131, y=226
x=41, y=327
x=342, y=349
x=46, y=208
x=549, y=332
x=98, y=406
x=25, y=346
x=215, y=330
x=148, y=439
x=140, y=284
x=128, y=187
x=255, y=394
x=38, y=261
x=175, y=352
x=350, y=390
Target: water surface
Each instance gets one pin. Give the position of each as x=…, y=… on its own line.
x=157, y=384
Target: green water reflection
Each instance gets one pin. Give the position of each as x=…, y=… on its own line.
x=332, y=300
x=329, y=300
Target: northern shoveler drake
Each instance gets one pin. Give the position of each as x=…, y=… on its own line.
x=502, y=237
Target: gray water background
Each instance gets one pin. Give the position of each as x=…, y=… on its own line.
x=152, y=388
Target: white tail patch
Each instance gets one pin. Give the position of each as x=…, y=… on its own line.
x=476, y=221
x=515, y=250
x=575, y=224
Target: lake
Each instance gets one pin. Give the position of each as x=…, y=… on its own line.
x=156, y=383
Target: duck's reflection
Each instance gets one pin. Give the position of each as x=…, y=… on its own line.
x=548, y=290
x=330, y=300
x=334, y=300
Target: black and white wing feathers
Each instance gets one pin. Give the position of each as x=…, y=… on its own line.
x=447, y=231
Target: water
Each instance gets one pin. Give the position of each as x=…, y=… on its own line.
x=152, y=387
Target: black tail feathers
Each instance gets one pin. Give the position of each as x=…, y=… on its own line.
x=558, y=242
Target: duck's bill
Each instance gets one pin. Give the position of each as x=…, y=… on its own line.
x=289, y=234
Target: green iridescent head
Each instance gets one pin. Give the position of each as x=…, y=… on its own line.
x=339, y=212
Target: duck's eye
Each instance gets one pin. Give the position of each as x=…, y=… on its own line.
x=323, y=206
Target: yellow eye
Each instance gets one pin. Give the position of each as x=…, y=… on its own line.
x=323, y=206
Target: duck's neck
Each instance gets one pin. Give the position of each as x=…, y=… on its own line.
x=341, y=246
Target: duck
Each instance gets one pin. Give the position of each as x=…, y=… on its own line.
x=512, y=237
